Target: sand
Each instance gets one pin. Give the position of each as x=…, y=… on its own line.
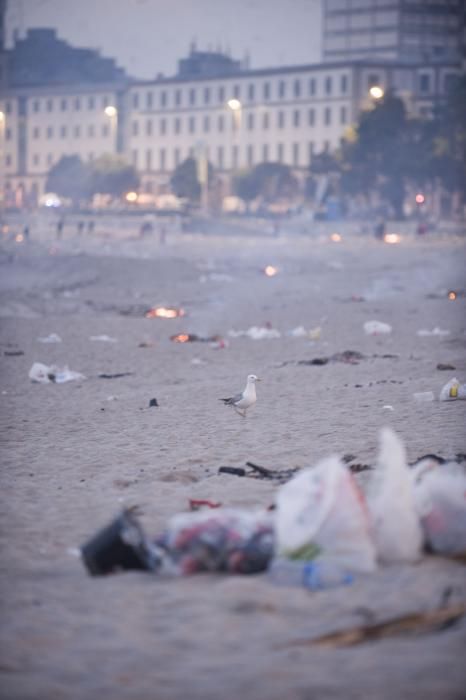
x=75, y=454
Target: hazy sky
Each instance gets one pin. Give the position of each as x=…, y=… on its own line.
x=149, y=36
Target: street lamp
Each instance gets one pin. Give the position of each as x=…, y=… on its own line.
x=376, y=92
x=236, y=108
x=112, y=113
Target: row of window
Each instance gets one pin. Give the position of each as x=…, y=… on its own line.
x=76, y=132
x=297, y=88
x=298, y=154
x=263, y=121
x=63, y=104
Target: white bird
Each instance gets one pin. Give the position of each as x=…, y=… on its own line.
x=247, y=398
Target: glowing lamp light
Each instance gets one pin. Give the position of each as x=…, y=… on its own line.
x=234, y=104
x=19, y=238
x=2, y=117
x=110, y=111
x=420, y=199
x=376, y=92
x=163, y=312
x=131, y=197
x=392, y=238
x=452, y=296
x=336, y=238
x=270, y=271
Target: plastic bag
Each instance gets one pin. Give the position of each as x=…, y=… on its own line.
x=229, y=540
x=453, y=390
x=43, y=374
x=321, y=514
x=396, y=527
x=376, y=328
x=256, y=333
x=440, y=497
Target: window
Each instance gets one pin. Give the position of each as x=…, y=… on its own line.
x=35, y=159
x=342, y=115
x=328, y=85
x=424, y=82
x=177, y=97
x=250, y=122
x=8, y=107
x=63, y=132
x=163, y=98
x=220, y=123
x=326, y=146
x=281, y=120
x=236, y=91
x=297, y=88
x=265, y=153
x=177, y=125
x=372, y=80
x=311, y=116
x=135, y=128
x=77, y=104
x=49, y=105
x=312, y=86
x=265, y=121
x=9, y=133
x=90, y=130
x=192, y=125
x=234, y=156
x=206, y=123
x=135, y=158
x=176, y=157
x=296, y=117
x=450, y=81
x=163, y=126
x=77, y=132
x=220, y=156
x=296, y=154
x=344, y=83
x=105, y=101
x=149, y=101
x=206, y=95
x=266, y=91
x=221, y=94
x=280, y=153
x=310, y=150
x=327, y=116
x=148, y=159
x=49, y=159
x=105, y=130
x=91, y=103
x=162, y=159
x=49, y=132
x=250, y=155
x=281, y=88
x=149, y=125
x=192, y=96
x=35, y=132
x=136, y=100
x=63, y=105
x=7, y=159
x=251, y=91
x=36, y=105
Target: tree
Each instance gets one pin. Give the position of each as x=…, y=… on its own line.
x=271, y=181
x=113, y=175
x=184, y=181
x=70, y=178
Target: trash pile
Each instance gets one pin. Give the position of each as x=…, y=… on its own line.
x=322, y=531
x=44, y=374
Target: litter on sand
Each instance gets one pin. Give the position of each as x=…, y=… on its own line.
x=103, y=338
x=453, y=390
x=256, y=333
x=117, y=375
x=52, y=338
x=43, y=374
x=301, y=332
x=424, y=333
x=424, y=396
x=376, y=328
x=444, y=367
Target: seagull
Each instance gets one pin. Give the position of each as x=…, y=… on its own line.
x=247, y=398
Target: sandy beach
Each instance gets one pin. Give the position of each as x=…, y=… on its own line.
x=75, y=454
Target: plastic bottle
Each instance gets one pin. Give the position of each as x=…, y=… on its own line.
x=315, y=575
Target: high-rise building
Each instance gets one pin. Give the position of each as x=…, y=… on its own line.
x=421, y=31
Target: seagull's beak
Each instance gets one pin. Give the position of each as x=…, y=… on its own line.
x=258, y=380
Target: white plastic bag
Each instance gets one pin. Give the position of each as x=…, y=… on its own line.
x=453, y=390
x=396, y=527
x=376, y=328
x=322, y=513
x=440, y=496
x=43, y=374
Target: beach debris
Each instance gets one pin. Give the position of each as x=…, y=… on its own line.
x=395, y=524
x=43, y=374
x=247, y=398
x=392, y=238
x=321, y=516
x=301, y=332
x=122, y=545
x=198, y=503
x=424, y=333
x=453, y=390
x=349, y=357
x=52, y=338
x=315, y=575
x=440, y=497
x=443, y=367
x=256, y=333
x=153, y=403
x=215, y=340
x=376, y=328
x=270, y=271
x=165, y=312
x=215, y=277
x=236, y=471
x=424, y=396
x=387, y=407
x=117, y=375
x=103, y=338
x=146, y=344
x=13, y=353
